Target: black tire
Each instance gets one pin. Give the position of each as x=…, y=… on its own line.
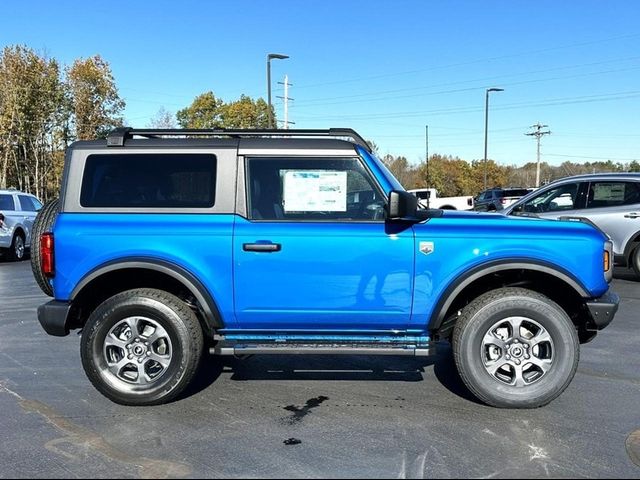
x=499, y=307
x=181, y=328
x=17, y=251
x=634, y=260
x=43, y=223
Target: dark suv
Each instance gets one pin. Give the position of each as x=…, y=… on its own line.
x=165, y=244
x=496, y=199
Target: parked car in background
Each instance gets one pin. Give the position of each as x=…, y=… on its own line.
x=17, y=214
x=496, y=199
x=428, y=198
x=610, y=201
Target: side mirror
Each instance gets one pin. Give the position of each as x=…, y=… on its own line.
x=402, y=205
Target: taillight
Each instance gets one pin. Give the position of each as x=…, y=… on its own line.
x=46, y=255
x=503, y=201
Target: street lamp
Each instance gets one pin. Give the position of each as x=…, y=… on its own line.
x=486, y=122
x=269, y=57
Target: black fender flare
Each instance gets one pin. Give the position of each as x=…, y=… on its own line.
x=210, y=309
x=461, y=282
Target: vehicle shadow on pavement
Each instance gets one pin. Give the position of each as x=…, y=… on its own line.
x=628, y=274
x=334, y=368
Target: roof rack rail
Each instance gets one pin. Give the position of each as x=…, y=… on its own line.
x=117, y=137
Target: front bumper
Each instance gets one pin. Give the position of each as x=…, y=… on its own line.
x=54, y=318
x=603, y=309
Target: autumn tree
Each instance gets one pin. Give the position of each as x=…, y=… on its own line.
x=163, y=119
x=96, y=104
x=204, y=112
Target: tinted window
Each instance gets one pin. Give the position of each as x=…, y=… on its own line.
x=149, y=181
x=515, y=192
x=312, y=189
x=6, y=202
x=26, y=204
x=423, y=195
x=612, y=194
x=564, y=197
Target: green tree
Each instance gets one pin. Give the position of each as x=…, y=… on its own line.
x=96, y=104
x=245, y=113
x=204, y=112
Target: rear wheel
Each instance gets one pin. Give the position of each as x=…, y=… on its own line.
x=43, y=223
x=141, y=347
x=515, y=348
x=635, y=260
x=17, y=249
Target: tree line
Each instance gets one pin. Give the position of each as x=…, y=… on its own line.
x=45, y=106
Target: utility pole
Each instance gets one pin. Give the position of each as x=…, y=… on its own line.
x=286, y=102
x=427, y=161
x=538, y=133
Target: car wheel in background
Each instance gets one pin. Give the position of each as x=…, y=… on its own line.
x=17, y=249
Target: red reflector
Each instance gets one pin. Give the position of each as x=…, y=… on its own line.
x=46, y=255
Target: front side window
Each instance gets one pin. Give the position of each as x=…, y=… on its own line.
x=613, y=194
x=149, y=181
x=312, y=189
x=563, y=197
x=6, y=203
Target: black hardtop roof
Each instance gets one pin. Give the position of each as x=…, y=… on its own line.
x=230, y=138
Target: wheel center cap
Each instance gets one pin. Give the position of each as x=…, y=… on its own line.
x=139, y=350
x=516, y=351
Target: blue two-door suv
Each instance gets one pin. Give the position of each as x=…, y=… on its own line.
x=256, y=242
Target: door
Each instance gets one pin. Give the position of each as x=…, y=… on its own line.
x=614, y=206
x=315, y=252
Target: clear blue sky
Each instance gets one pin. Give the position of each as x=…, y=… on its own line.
x=386, y=69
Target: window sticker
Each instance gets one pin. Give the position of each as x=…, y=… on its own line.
x=315, y=191
x=610, y=192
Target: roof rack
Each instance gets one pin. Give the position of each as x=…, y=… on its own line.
x=117, y=137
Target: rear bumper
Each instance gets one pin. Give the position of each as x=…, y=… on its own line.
x=603, y=309
x=54, y=318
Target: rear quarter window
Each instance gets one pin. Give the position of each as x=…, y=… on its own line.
x=149, y=181
x=6, y=202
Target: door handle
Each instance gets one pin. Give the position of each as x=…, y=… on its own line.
x=632, y=215
x=261, y=247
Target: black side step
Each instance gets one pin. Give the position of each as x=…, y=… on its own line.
x=280, y=348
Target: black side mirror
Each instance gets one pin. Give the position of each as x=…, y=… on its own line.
x=402, y=205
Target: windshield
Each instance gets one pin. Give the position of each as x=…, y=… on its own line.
x=391, y=182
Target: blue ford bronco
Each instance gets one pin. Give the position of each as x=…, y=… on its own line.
x=167, y=243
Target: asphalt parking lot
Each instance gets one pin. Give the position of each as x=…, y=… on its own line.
x=310, y=416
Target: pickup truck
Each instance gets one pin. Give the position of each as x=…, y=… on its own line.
x=166, y=244
x=428, y=198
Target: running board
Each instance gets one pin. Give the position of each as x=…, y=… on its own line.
x=322, y=349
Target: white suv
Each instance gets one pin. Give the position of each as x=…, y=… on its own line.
x=17, y=214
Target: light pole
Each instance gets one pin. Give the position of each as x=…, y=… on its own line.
x=486, y=122
x=269, y=57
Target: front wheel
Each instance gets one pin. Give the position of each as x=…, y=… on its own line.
x=635, y=260
x=141, y=347
x=515, y=348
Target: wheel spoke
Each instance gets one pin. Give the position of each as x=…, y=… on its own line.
x=515, y=323
x=164, y=361
x=113, y=341
x=133, y=325
x=542, y=336
x=492, y=339
x=518, y=376
x=116, y=367
x=142, y=375
x=493, y=367
x=543, y=364
x=157, y=334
